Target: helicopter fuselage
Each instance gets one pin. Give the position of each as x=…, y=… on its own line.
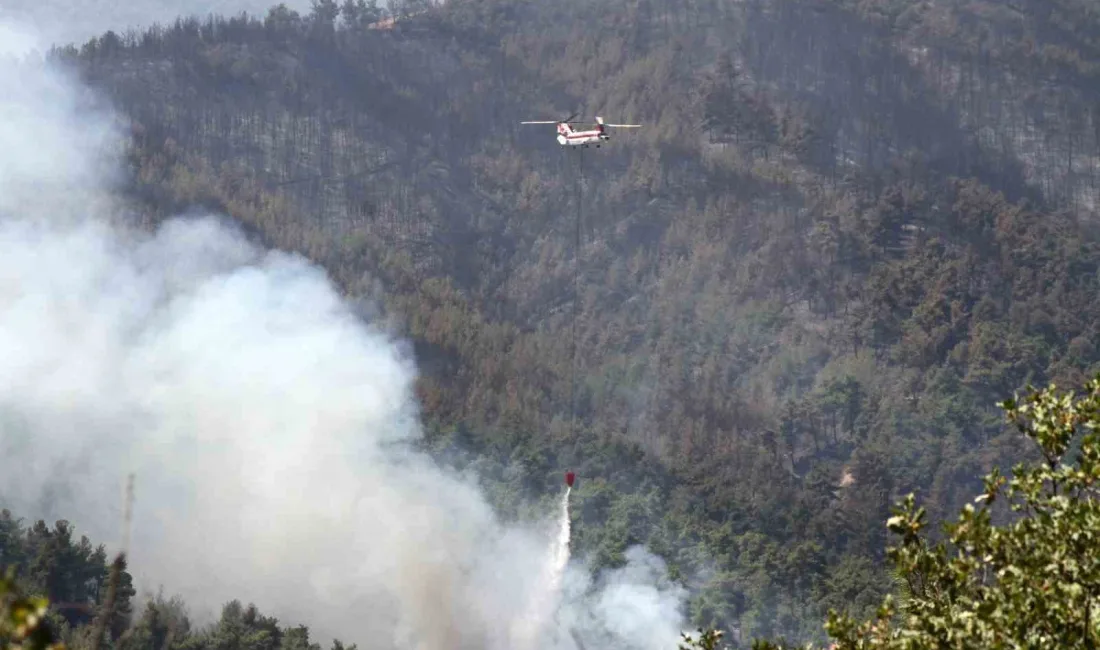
x=582, y=138
x=568, y=137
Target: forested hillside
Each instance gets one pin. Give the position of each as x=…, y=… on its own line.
x=848, y=228
x=64, y=21
x=75, y=576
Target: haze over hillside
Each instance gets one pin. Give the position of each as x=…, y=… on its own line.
x=271, y=425
x=846, y=230
x=43, y=23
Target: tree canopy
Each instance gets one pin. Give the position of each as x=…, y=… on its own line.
x=1019, y=570
x=847, y=228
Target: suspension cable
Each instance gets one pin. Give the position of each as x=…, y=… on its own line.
x=576, y=292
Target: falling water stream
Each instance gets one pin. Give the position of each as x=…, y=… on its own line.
x=544, y=600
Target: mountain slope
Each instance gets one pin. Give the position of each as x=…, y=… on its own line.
x=840, y=237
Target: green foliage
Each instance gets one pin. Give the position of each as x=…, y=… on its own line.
x=1031, y=581
x=90, y=600
x=22, y=619
x=44, y=623
x=706, y=640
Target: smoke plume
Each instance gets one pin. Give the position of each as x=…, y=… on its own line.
x=530, y=627
x=267, y=424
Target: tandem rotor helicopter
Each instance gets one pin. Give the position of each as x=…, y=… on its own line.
x=569, y=137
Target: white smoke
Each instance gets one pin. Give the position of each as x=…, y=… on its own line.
x=544, y=599
x=17, y=40
x=265, y=422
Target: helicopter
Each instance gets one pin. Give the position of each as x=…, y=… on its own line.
x=567, y=136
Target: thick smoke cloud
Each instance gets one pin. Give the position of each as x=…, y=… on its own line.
x=16, y=41
x=266, y=423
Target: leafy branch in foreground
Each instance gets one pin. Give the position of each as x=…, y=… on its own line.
x=707, y=640
x=22, y=619
x=1030, y=583
x=1033, y=582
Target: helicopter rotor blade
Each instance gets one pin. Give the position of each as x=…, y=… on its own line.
x=541, y=122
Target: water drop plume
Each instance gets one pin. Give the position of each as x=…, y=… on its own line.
x=546, y=592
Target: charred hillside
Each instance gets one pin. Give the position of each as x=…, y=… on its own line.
x=847, y=230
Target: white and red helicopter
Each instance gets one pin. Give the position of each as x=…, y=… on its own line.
x=567, y=136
